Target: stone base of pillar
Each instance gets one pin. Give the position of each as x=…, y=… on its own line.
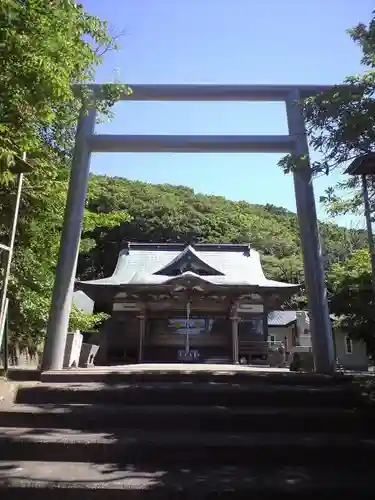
x=73, y=348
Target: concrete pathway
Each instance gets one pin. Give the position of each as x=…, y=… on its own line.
x=174, y=367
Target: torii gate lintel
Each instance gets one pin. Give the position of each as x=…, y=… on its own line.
x=295, y=142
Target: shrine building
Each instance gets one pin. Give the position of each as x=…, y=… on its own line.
x=195, y=303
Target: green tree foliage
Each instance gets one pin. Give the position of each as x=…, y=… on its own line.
x=352, y=297
x=165, y=213
x=45, y=47
x=341, y=125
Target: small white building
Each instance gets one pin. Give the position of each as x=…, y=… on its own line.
x=293, y=329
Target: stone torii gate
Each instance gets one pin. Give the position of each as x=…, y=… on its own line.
x=295, y=142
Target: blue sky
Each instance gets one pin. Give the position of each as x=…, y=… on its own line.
x=216, y=41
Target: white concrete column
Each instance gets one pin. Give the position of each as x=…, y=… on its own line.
x=321, y=332
x=61, y=304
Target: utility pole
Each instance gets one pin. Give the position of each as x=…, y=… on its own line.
x=20, y=168
x=366, y=200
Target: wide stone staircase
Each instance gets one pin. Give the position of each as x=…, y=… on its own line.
x=186, y=435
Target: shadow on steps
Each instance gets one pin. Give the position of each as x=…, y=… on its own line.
x=161, y=459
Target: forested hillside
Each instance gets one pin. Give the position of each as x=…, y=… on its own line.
x=119, y=210
x=165, y=213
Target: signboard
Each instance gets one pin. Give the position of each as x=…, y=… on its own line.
x=125, y=306
x=251, y=308
x=193, y=326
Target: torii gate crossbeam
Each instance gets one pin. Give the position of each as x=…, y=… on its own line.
x=295, y=142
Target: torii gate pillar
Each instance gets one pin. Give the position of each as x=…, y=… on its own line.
x=295, y=143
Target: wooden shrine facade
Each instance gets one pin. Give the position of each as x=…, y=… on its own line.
x=174, y=303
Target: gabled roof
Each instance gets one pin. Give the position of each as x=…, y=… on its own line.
x=281, y=318
x=285, y=318
x=144, y=264
x=188, y=255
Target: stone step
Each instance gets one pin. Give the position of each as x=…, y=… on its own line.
x=189, y=393
x=179, y=447
x=115, y=481
x=211, y=418
x=192, y=373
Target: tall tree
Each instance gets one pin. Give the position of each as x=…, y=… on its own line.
x=352, y=298
x=45, y=48
x=341, y=125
